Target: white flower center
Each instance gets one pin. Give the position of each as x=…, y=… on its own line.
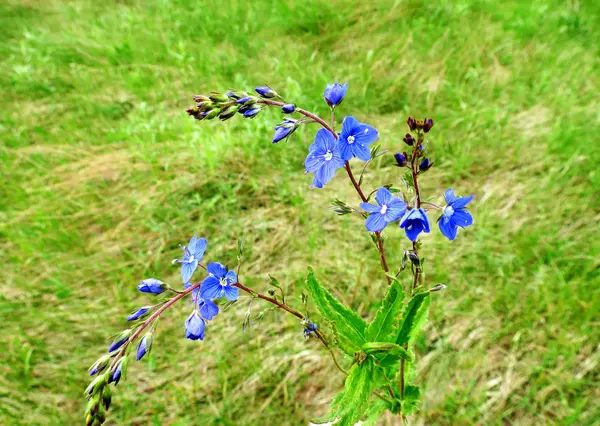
x=448, y=211
x=223, y=281
x=328, y=156
x=191, y=259
x=350, y=139
x=383, y=209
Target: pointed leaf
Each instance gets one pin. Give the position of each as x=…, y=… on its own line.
x=349, y=326
x=381, y=329
x=414, y=318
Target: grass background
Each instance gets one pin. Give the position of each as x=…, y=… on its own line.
x=103, y=175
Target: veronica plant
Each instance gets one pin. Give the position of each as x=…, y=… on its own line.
x=375, y=357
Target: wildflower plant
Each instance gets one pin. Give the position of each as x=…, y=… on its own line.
x=375, y=356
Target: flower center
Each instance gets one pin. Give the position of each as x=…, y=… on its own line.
x=448, y=211
x=383, y=209
x=223, y=281
x=328, y=156
x=191, y=258
x=350, y=139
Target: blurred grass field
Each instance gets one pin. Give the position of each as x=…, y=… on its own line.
x=103, y=175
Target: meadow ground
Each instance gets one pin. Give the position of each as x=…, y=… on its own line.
x=103, y=175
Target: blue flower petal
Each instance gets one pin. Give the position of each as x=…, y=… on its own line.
x=208, y=309
x=192, y=244
x=461, y=202
x=449, y=196
x=187, y=270
x=325, y=173
x=365, y=134
x=370, y=208
x=194, y=327
x=375, y=222
x=211, y=288
x=322, y=140
x=346, y=151
x=383, y=196
x=198, y=252
x=447, y=228
x=231, y=277
x=231, y=293
x=362, y=151
x=395, y=210
x=413, y=230
x=462, y=218
x=313, y=162
x=216, y=269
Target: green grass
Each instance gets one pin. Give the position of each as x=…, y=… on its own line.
x=103, y=175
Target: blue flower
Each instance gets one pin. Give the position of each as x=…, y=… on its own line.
x=219, y=283
x=425, y=165
x=355, y=138
x=309, y=328
x=413, y=222
x=390, y=209
x=266, y=92
x=288, y=108
x=192, y=254
x=284, y=129
x=400, y=159
x=334, y=94
x=455, y=214
x=152, y=285
x=194, y=327
x=144, y=346
x=323, y=158
x=139, y=313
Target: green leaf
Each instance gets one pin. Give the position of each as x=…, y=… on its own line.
x=381, y=329
x=412, y=399
x=373, y=413
x=386, y=348
x=414, y=318
x=353, y=404
x=349, y=327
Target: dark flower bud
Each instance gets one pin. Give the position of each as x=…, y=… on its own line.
x=218, y=97
x=400, y=159
x=192, y=110
x=139, y=313
x=118, y=371
x=120, y=340
x=412, y=123
x=213, y=113
x=334, y=94
x=228, y=112
x=427, y=125
x=100, y=364
x=309, y=327
x=251, y=112
x=425, y=165
x=152, y=285
x=414, y=259
x=420, y=150
x=437, y=287
x=106, y=397
x=288, y=108
x=236, y=95
x=200, y=98
x=409, y=140
x=266, y=92
x=144, y=346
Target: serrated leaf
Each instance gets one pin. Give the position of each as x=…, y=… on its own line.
x=349, y=326
x=412, y=399
x=414, y=318
x=381, y=329
x=353, y=404
x=374, y=412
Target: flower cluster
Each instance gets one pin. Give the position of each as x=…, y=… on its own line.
x=330, y=151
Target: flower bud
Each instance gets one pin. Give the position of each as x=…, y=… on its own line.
x=427, y=125
x=284, y=129
x=213, y=113
x=288, y=108
x=100, y=364
x=218, y=97
x=266, y=92
x=309, y=327
x=152, y=285
x=252, y=111
x=425, y=165
x=400, y=159
x=228, y=112
x=412, y=123
x=414, y=259
x=334, y=94
x=437, y=287
x=247, y=100
x=120, y=340
x=118, y=371
x=235, y=95
x=200, y=98
x=140, y=313
x=194, y=327
x=144, y=346
x=409, y=140
x=106, y=397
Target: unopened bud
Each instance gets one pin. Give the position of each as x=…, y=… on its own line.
x=400, y=159
x=409, y=140
x=412, y=123
x=266, y=92
x=218, y=97
x=425, y=165
x=427, y=125
x=437, y=287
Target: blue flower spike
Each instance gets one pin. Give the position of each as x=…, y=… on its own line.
x=455, y=214
x=355, y=138
x=389, y=209
x=194, y=327
x=219, y=283
x=414, y=222
x=334, y=94
x=152, y=285
x=323, y=158
x=192, y=255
